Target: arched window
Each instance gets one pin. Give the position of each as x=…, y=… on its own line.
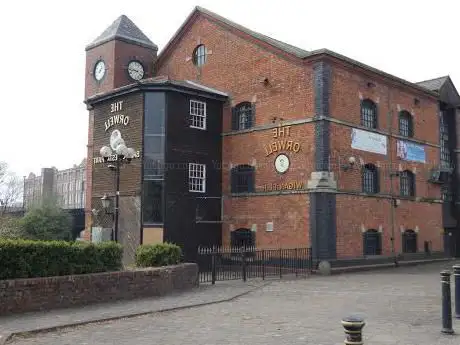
x=406, y=125
x=409, y=241
x=407, y=183
x=243, y=115
x=372, y=242
x=370, y=179
x=199, y=55
x=242, y=238
x=368, y=114
x=243, y=179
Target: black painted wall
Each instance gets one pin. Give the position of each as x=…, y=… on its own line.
x=190, y=145
x=322, y=205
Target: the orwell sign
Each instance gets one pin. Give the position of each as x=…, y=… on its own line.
x=118, y=146
x=116, y=119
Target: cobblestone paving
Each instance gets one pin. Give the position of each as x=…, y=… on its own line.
x=400, y=306
x=204, y=294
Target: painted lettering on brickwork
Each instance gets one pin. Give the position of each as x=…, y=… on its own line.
x=116, y=119
x=282, y=142
x=292, y=185
x=112, y=158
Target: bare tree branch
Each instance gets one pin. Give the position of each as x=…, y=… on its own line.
x=11, y=188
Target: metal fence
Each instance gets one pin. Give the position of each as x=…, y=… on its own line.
x=232, y=263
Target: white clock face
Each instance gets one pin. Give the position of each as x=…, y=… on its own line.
x=136, y=70
x=99, y=70
x=282, y=163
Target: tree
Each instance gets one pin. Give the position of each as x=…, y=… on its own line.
x=47, y=222
x=10, y=227
x=11, y=188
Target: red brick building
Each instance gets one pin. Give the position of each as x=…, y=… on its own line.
x=317, y=150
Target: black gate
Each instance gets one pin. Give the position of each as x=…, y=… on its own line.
x=219, y=263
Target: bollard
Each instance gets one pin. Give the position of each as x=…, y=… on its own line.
x=353, y=330
x=457, y=290
x=446, y=303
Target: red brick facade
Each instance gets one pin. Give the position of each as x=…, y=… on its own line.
x=238, y=65
x=282, y=85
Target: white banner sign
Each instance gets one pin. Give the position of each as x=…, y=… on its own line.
x=368, y=141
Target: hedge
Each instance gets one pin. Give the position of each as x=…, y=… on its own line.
x=160, y=254
x=29, y=259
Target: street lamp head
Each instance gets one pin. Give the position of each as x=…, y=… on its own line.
x=130, y=153
x=121, y=150
x=105, y=151
x=105, y=202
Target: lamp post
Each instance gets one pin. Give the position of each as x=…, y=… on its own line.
x=122, y=155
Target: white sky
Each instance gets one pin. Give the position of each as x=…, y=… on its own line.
x=43, y=121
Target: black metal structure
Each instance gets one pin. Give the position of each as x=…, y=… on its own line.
x=233, y=263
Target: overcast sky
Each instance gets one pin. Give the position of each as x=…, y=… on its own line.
x=43, y=118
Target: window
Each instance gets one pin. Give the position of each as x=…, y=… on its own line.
x=370, y=179
x=242, y=238
x=197, y=114
x=199, y=55
x=372, y=242
x=243, y=116
x=446, y=194
x=444, y=141
x=153, y=201
x=196, y=177
x=242, y=177
x=409, y=241
x=406, y=127
x=407, y=183
x=368, y=114
x=154, y=135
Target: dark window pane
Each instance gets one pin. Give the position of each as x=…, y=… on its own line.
x=153, y=201
x=368, y=114
x=370, y=179
x=409, y=241
x=153, y=144
x=154, y=113
x=372, y=244
x=405, y=124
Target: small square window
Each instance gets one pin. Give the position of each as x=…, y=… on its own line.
x=197, y=177
x=197, y=114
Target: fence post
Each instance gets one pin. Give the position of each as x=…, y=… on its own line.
x=296, y=262
x=446, y=303
x=280, y=258
x=457, y=290
x=213, y=267
x=263, y=264
x=353, y=326
x=243, y=262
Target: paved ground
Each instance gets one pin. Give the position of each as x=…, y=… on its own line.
x=400, y=306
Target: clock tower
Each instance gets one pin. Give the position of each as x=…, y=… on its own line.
x=120, y=56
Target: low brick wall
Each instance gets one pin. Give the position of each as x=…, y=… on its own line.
x=34, y=294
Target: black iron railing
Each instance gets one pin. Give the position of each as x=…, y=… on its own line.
x=231, y=263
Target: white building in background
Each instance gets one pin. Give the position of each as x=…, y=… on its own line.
x=66, y=186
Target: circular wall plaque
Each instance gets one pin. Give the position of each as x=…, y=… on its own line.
x=282, y=163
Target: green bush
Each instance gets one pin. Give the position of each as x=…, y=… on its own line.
x=160, y=254
x=29, y=259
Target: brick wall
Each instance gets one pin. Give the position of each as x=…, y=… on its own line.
x=130, y=174
x=24, y=295
x=240, y=66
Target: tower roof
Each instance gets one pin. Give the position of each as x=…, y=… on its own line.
x=123, y=29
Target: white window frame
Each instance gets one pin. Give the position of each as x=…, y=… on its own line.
x=192, y=168
x=193, y=115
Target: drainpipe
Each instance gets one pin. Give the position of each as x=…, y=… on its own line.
x=390, y=169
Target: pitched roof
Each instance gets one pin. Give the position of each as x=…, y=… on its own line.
x=433, y=84
x=124, y=29
x=288, y=48
x=281, y=45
